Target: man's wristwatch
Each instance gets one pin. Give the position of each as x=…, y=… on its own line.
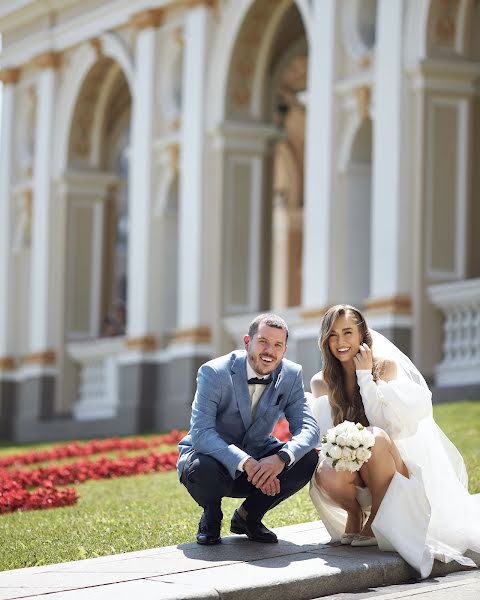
x=284, y=456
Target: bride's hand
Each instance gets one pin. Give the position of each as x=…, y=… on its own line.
x=363, y=360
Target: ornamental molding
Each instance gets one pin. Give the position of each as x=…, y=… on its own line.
x=48, y=60
x=400, y=304
x=144, y=343
x=7, y=363
x=44, y=358
x=148, y=18
x=195, y=335
x=9, y=76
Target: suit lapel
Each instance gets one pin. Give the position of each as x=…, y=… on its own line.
x=240, y=389
x=266, y=397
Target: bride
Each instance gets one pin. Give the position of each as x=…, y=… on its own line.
x=411, y=496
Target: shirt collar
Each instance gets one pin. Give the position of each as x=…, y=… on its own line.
x=251, y=373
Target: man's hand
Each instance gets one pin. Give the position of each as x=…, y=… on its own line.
x=263, y=473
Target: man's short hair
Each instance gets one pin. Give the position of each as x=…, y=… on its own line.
x=269, y=319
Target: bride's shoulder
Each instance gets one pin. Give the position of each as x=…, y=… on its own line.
x=318, y=385
x=386, y=369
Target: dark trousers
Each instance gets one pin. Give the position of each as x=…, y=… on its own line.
x=208, y=481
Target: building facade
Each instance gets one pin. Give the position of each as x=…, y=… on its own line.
x=168, y=169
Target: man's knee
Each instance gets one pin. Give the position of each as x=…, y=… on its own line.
x=306, y=466
x=205, y=470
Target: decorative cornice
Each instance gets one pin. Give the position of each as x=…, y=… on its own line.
x=9, y=76
x=7, y=363
x=48, y=60
x=144, y=343
x=401, y=304
x=195, y=335
x=45, y=358
x=148, y=18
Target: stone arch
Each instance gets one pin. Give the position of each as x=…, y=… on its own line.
x=266, y=75
x=224, y=48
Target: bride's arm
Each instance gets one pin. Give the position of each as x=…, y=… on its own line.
x=318, y=385
x=393, y=403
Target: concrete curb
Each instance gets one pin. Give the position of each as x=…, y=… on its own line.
x=303, y=565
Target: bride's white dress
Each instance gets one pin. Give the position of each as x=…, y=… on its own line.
x=429, y=515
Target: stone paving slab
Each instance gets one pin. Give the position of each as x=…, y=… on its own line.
x=456, y=586
x=303, y=565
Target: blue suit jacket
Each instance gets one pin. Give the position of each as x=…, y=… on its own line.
x=222, y=425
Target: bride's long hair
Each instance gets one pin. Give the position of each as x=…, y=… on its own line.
x=344, y=408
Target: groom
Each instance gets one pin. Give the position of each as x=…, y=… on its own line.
x=229, y=450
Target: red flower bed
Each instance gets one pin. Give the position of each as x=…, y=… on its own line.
x=15, y=483
x=91, y=447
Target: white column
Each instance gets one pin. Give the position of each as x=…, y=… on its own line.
x=390, y=208
x=191, y=218
x=319, y=155
x=43, y=215
x=9, y=78
x=140, y=187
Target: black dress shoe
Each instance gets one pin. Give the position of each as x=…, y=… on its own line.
x=255, y=530
x=208, y=533
x=205, y=539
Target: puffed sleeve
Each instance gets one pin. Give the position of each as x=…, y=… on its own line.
x=321, y=412
x=396, y=406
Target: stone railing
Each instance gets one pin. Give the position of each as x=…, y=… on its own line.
x=96, y=360
x=460, y=304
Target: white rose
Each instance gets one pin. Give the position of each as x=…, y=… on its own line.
x=352, y=466
x=355, y=441
x=347, y=454
x=335, y=452
x=329, y=461
x=342, y=439
x=363, y=454
x=331, y=436
x=368, y=439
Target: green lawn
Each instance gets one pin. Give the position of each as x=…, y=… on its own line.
x=133, y=513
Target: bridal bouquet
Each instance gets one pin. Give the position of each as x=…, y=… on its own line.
x=347, y=446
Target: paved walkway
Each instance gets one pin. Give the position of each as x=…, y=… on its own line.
x=301, y=566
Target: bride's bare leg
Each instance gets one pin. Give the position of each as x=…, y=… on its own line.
x=378, y=472
x=340, y=487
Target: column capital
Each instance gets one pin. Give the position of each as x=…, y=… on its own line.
x=48, y=60
x=399, y=304
x=148, y=18
x=313, y=313
x=194, y=335
x=7, y=363
x=144, y=343
x=43, y=358
x=9, y=75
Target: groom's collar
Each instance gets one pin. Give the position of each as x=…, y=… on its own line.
x=251, y=374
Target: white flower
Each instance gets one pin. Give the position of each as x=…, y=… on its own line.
x=346, y=447
x=331, y=435
x=363, y=454
x=335, y=452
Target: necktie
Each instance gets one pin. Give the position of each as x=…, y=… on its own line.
x=259, y=381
